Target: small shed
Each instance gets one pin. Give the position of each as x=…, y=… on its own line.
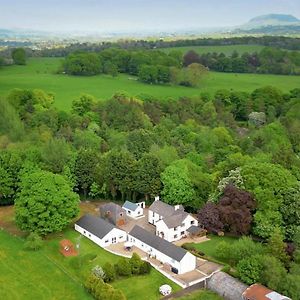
x=67, y=248
x=134, y=210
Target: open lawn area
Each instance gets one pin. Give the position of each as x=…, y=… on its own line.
x=53, y=276
x=229, y=49
x=30, y=275
x=40, y=73
x=209, y=247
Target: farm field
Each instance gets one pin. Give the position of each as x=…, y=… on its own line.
x=40, y=73
x=218, y=49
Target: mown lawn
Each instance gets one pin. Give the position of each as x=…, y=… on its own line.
x=30, y=275
x=229, y=49
x=40, y=73
x=209, y=248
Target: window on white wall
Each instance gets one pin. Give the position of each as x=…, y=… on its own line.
x=175, y=236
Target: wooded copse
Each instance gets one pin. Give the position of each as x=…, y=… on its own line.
x=267, y=61
x=153, y=67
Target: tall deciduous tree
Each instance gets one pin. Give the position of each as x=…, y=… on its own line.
x=85, y=169
x=209, y=217
x=45, y=203
x=148, y=176
x=178, y=187
x=236, y=207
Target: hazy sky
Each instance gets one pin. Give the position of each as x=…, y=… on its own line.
x=111, y=15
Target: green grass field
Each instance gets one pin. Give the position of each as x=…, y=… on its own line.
x=218, y=49
x=30, y=275
x=40, y=73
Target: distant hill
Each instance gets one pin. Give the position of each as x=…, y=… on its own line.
x=273, y=20
x=271, y=24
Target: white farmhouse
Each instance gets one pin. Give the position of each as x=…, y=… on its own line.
x=100, y=231
x=172, y=222
x=175, y=227
x=178, y=259
x=134, y=210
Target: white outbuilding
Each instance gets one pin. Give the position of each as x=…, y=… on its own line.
x=178, y=259
x=100, y=231
x=134, y=210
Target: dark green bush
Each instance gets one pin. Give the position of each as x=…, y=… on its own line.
x=110, y=272
x=123, y=267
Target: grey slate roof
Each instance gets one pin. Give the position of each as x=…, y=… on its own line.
x=226, y=286
x=95, y=225
x=163, y=209
x=114, y=210
x=176, y=219
x=194, y=229
x=165, y=247
x=129, y=205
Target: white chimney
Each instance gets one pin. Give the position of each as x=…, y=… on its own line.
x=177, y=207
x=156, y=198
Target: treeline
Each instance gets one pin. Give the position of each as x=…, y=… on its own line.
x=267, y=61
x=153, y=67
x=284, y=42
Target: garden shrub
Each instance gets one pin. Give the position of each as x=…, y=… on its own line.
x=123, y=267
x=98, y=272
x=135, y=262
x=110, y=272
x=33, y=242
x=145, y=268
x=102, y=291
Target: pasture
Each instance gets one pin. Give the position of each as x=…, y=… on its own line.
x=227, y=50
x=41, y=73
